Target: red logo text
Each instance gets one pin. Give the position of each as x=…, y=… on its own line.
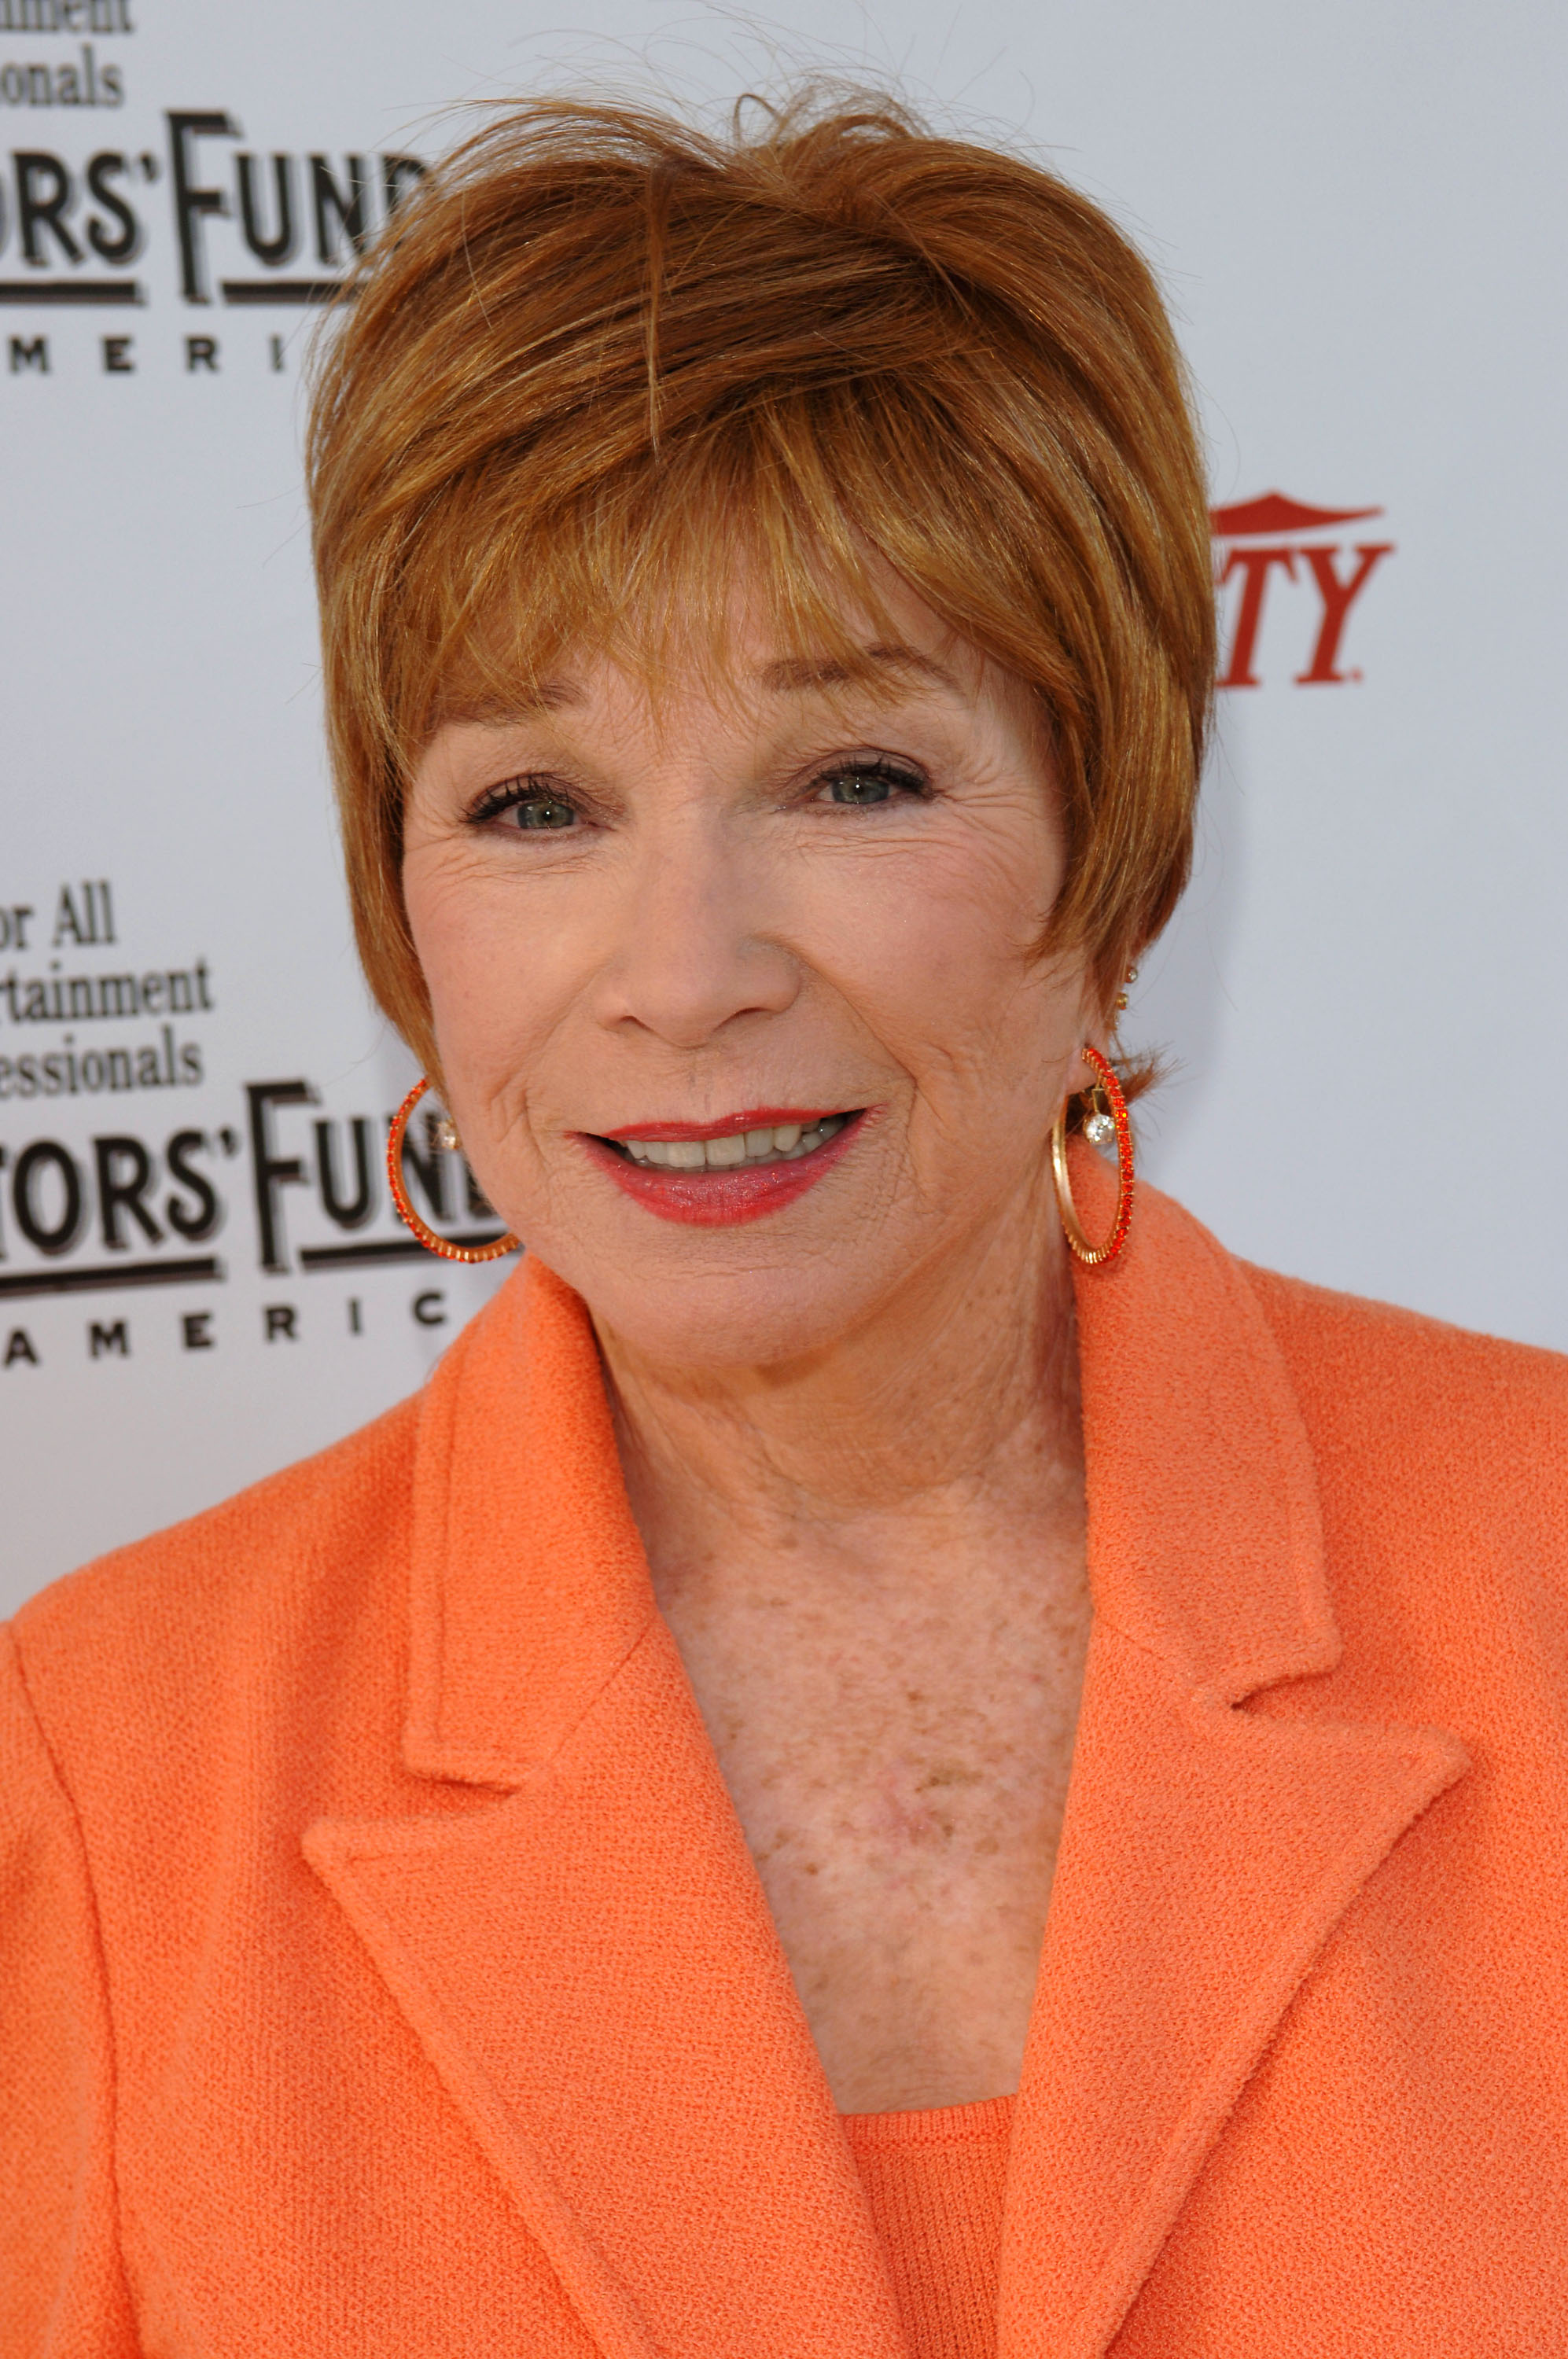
x=1254, y=551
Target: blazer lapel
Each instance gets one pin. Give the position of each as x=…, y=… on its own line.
x=1208, y=1852
x=589, y=1960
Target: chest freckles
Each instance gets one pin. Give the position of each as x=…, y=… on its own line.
x=900, y=1782
x=911, y=1803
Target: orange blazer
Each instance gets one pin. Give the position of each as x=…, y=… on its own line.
x=384, y=1973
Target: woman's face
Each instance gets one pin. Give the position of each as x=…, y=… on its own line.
x=738, y=995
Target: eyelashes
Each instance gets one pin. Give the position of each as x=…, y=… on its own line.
x=495, y=801
x=540, y=808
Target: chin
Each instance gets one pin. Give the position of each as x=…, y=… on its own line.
x=765, y=1313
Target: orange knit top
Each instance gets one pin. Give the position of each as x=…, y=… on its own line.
x=934, y=2180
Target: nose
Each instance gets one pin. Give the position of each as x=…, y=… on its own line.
x=694, y=949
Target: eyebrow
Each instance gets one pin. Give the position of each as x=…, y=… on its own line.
x=793, y=675
x=787, y=675
x=502, y=712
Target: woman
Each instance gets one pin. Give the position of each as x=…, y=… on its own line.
x=898, y=1755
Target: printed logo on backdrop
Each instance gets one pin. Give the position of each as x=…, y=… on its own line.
x=1281, y=552
x=118, y=1172
x=244, y=226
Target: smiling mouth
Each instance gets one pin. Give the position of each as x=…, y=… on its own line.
x=751, y=1149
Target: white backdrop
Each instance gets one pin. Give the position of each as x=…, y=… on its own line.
x=1359, y=214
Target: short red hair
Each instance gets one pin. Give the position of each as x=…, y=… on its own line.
x=598, y=352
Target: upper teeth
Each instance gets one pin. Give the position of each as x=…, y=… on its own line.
x=781, y=1142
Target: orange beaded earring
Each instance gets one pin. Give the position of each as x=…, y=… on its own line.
x=1103, y=1122
x=428, y=1237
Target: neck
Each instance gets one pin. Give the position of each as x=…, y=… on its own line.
x=948, y=1423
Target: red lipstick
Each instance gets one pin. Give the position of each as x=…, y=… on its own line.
x=720, y=1199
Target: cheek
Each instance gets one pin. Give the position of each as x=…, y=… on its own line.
x=939, y=951
x=487, y=972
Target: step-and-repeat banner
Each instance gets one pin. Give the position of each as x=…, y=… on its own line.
x=1358, y=215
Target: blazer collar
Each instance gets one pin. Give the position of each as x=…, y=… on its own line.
x=530, y=1587
x=591, y=1964
x=1205, y=1540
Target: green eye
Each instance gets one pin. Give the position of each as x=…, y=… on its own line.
x=543, y=810
x=859, y=787
x=863, y=784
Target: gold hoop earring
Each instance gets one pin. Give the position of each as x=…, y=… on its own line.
x=1096, y=1256
x=428, y=1237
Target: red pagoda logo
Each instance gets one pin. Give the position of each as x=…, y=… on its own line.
x=1262, y=538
